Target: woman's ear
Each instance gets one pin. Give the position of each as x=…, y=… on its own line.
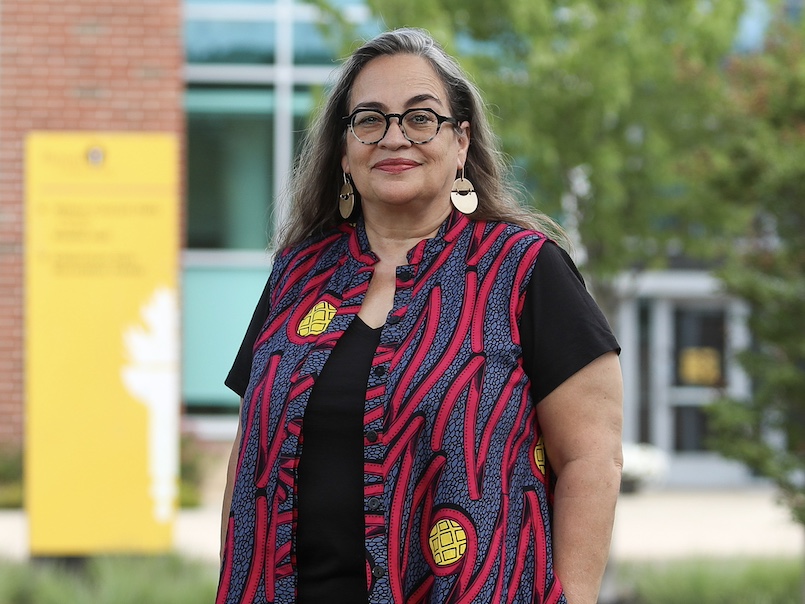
x=463, y=143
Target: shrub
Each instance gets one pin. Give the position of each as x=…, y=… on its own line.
x=109, y=580
x=11, y=477
x=191, y=472
x=708, y=581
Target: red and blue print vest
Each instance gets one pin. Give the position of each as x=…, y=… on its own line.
x=452, y=446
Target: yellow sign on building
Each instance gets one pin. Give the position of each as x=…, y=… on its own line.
x=102, y=342
x=700, y=366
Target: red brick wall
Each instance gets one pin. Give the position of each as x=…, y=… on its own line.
x=102, y=65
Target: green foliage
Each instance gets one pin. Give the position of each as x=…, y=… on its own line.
x=11, y=470
x=109, y=580
x=759, y=166
x=191, y=471
x=714, y=582
x=624, y=91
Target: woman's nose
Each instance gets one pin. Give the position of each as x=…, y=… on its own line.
x=394, y=136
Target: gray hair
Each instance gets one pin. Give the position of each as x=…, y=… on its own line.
x=317, y=178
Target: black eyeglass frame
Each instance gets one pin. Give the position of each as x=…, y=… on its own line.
x=440, y=119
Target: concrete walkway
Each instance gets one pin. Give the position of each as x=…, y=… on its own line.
x=679, y=524
x=649, y=525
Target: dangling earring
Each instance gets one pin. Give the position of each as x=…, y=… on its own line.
x=346, y=199
x=463, y=195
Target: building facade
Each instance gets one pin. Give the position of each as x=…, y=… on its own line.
x=97, y=65
x=680, y=334
x=238, y=82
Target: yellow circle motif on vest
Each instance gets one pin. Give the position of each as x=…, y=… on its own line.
x=539, y=455
x=317, y=320
x=448, y=542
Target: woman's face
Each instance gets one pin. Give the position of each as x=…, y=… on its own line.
x=396, y=173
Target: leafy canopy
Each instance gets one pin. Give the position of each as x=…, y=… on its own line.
x=759, y=165
x=612, y=95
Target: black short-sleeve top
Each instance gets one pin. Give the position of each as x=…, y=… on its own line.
x=562, y=329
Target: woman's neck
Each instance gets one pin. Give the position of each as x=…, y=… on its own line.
x=391, y=237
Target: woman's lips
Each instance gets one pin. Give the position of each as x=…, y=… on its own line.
x=395, y=166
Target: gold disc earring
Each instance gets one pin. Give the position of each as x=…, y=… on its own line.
x=463, y=195
x=346, y=199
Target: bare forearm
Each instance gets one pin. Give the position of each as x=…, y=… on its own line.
x=226, y=505
x=584, y=511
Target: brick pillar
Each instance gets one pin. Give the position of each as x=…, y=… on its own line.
x=91, y=65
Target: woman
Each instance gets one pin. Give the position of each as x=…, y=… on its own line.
x=431, y=401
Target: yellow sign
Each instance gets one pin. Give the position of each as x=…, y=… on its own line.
x=700, y=366
x=102, y=342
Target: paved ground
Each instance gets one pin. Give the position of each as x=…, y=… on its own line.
x=676, y=524
x=649, y=525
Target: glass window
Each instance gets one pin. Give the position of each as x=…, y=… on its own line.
x=699, y=347
x=229, y=156
x=302, y=113
x=230, y=1
x=242, y=42
x=644, y=373
x=310, y=45
x=690, y=428
x=230, y=164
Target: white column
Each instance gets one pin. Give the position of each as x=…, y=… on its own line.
x=738, y=339
x=662, y=362
x=283, y=109
x=628, y=337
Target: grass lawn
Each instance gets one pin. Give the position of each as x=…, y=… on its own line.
x=173, y=580
x=109, y=580
x=707, y=581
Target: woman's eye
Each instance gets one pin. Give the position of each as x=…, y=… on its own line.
x=367, y=119
x=420, y=119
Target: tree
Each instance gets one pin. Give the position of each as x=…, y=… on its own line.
x=658, y=138
x=596, y=102
x=759, y=166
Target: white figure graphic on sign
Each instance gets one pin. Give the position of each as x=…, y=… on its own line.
x=151, y=375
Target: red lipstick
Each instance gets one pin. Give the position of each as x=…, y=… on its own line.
x=395, y=165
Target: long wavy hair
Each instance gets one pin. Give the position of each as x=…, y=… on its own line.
x=317, y=177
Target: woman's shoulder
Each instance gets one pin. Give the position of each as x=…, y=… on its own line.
x=314, y=244
x=511, y=235
x=289, y=258
x=509, y=228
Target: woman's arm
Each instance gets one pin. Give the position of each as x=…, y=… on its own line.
x=581, y=424
x=230, y=484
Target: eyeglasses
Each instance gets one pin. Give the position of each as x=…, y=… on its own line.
x=419, y=126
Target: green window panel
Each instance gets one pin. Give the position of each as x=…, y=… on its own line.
x=230, y=153
x=229, y=42
x=217, y=304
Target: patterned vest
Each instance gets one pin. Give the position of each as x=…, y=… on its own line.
x=452, y=448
